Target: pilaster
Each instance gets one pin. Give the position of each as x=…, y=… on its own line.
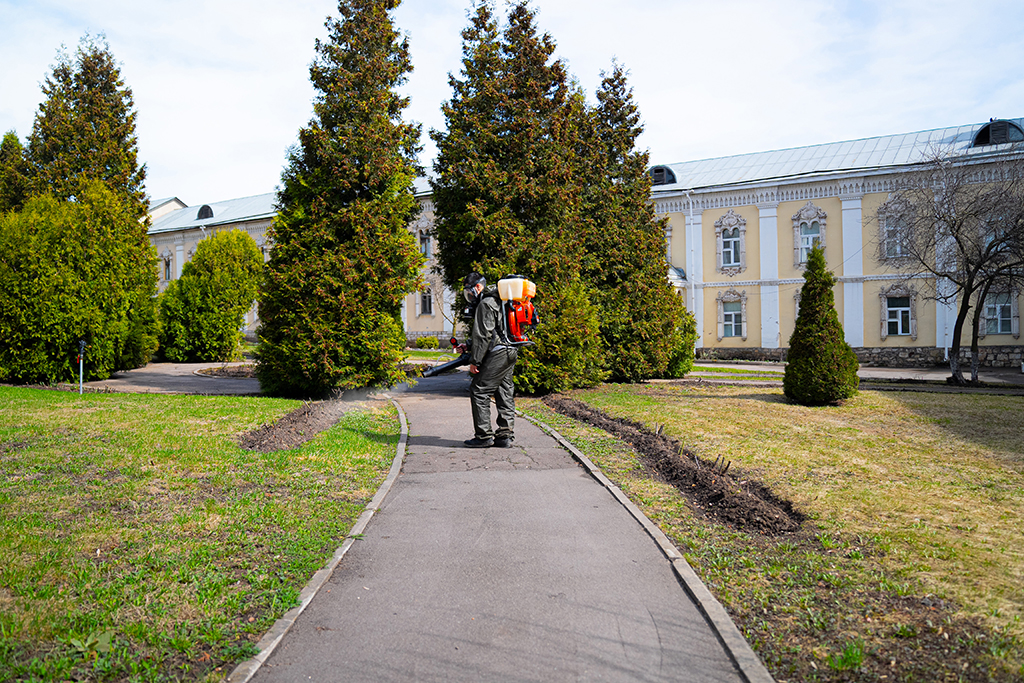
x=768, y=237
x=695, y=272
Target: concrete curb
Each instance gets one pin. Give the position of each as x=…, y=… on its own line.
x=743, y=656
x=270, y=640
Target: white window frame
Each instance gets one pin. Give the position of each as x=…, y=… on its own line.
x=891, y=246
x=732, y=296
x=736, y=226
x=1013, y=310
x=898, y=292
x=807, y=215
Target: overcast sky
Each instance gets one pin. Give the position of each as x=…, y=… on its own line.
x=221, y=86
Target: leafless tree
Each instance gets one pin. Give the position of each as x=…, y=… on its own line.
x=959, y=219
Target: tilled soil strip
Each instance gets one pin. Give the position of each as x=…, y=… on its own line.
x=298, y=426
x=733, y=499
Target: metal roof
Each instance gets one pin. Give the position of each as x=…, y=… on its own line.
x=421, y=186
x=231, y=211
x=155, y=203
x=865, y=154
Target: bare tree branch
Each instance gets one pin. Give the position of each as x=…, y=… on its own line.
x=960, y=220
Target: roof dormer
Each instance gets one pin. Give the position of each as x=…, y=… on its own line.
x=998, y=132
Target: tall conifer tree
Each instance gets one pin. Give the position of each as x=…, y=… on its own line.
x=641, y=315
x=504, y=196
x=13, y=173
x=342, y=258
x=84, y=134
x=470, y=213
x=85, y=129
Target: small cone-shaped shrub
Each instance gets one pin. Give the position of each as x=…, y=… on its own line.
x=822, y=368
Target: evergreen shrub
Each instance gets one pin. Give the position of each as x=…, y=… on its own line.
x=427, y=343
x=72, y=270
x=821, y=367
x=201, y=313
x=568, y=352
x=684, y=341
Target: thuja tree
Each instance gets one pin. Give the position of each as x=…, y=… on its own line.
x=504, y=193
x=83, y=134
x=643, y=321
x=342, y=258
x=85, y=128
x=70, y=271
x=201, y=313
x=821, y=367
x=13, y=173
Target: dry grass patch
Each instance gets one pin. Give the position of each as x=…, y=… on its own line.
x=915, y=501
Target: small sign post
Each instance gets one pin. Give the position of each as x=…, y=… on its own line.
x=81, y=365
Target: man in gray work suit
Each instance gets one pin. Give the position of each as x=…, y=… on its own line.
x=492, y=363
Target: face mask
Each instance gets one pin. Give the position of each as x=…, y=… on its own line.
x=470, y=294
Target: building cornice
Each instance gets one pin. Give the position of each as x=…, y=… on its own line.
x=770, y=193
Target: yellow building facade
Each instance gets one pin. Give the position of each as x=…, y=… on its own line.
x=739, y=229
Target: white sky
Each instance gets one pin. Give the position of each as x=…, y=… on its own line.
x=222, y=88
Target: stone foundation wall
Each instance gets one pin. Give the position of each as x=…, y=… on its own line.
x=885, y=357
x=442, y=338
x=776, y=355
x=923, y=357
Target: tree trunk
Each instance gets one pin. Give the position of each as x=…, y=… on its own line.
x=954, y=349
x=976, y=319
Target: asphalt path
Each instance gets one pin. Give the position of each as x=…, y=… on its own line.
x=177, y=378
x=498, y=565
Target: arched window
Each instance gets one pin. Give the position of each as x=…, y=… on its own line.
x=427, y=302
x=204, y=212
x=895, y=229
x=997, y=132
x=730, y=243
x=808, y=230
x=168, y=259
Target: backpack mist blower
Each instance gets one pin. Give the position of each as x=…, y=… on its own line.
x=518, y=318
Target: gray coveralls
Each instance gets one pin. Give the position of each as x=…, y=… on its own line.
x=496, y=362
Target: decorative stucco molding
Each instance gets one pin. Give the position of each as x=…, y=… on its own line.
x=897, y=290
x=729, y=296
x=731, y=222
x=807, y=215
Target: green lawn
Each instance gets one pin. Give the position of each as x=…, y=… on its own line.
x=139, y=542
x=439, y=355
x=911, y=564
